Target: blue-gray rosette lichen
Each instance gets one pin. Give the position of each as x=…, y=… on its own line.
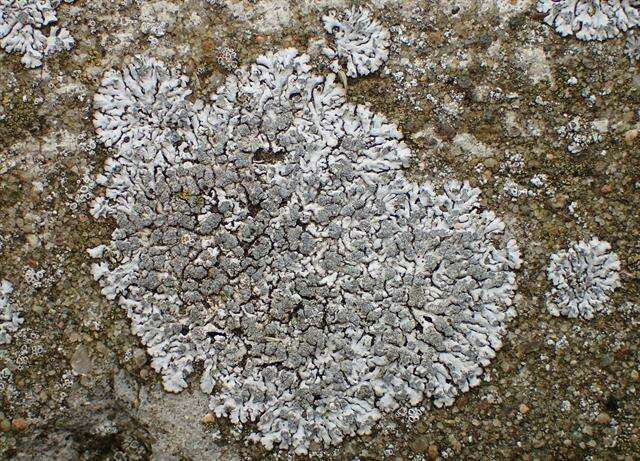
x=582, y=278
x=271, y=235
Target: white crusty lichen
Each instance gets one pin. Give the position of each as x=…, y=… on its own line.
x=272, y=236
x=591, y=19
x=581, y=135
x=360, y=40
x=582, y=278
x=26, y=28
x=9, y=319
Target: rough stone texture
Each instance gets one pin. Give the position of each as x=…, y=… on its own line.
x=557, y=162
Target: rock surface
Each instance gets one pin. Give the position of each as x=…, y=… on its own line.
x=544, y=126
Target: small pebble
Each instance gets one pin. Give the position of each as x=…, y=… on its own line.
x=490, y=162
x=208, y=418
x=433, y=452
x=607, y=360
x=420, y=444
x=606, y=189
x=19, y=424
x=5, y=425
x=139, y=357
x=559, y=201
x=523, y=408
x=457, y=446
x=81, y=362
x=603, y=418
x=630, y=136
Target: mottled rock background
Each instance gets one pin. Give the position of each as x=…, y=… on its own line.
x=546, y=126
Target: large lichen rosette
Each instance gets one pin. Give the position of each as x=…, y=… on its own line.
x=272, y=236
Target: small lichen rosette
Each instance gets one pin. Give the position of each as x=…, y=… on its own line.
x=22, y=29
x=360, y=40
x=583, y=278
x=272, y=236
x=591, y=19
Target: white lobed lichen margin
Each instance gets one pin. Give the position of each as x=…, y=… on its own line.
x=272, y=236
x=360, y=40
x=583, y=278
x=10, y=321
x=591, y=19
x=632, y=47
x=22, y=29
